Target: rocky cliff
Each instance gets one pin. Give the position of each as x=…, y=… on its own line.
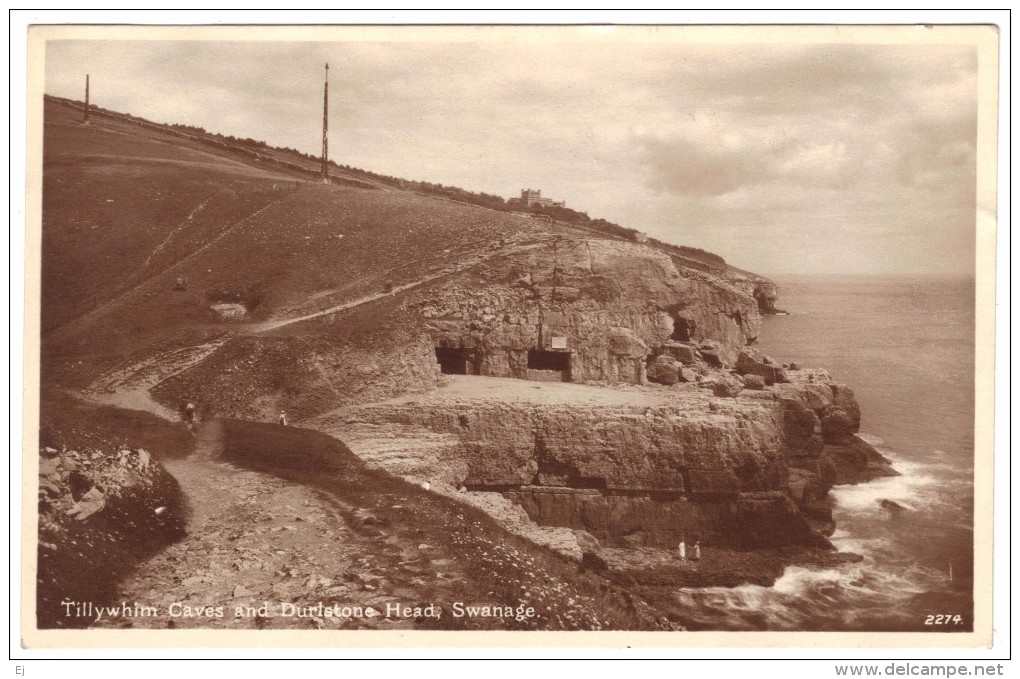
x=611, y=305
x=764, y=291
x=639, y=466
x=563, y=308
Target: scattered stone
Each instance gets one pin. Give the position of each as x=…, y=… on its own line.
x=90, y=503
x=48, y=466
x=241, y=590
x=752, y=362
x=46, y=487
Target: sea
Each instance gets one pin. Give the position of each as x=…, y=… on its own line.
x=905, y=345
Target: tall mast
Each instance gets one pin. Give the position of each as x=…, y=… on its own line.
x=325, y=128
x=85, y=120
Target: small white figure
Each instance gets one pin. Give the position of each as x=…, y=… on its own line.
x=683, y=550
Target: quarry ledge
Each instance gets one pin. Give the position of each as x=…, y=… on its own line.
x=624, y=472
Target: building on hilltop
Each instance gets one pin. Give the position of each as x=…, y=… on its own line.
x=532, y=197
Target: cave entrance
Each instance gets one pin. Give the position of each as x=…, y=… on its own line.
x=549, y=365
x=682, y=329
x=456, y=361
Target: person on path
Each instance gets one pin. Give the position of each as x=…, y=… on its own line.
x=683, y=550
x=189, y=413
x=697, y=550
x=283, y=418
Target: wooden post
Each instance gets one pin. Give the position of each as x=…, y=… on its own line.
x=85, y=120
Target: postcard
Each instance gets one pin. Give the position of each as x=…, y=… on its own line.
x=404, y=336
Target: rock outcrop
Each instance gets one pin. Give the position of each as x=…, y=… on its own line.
x=643, y=466
x=603, y=307
x=100, y=510
x=764, y=291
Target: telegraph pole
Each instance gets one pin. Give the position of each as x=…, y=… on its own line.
x=85, y=120
x=325, y=128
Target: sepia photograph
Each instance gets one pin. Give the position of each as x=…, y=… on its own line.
x=382, y=331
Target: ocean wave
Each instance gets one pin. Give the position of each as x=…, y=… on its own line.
x=912, y=490
x=871, y=439
x=802, y=594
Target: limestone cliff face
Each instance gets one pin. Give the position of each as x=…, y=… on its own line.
x=645, y=465
x=680, y=447
x=764, y=291
x=609, y=305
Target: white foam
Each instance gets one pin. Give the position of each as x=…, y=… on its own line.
x=870, y=438
x=912, y=490
x=796, y=580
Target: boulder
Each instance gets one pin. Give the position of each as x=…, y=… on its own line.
x=892, y=506
x=711, y=353
x=727, y=386
x=752, y=362
x=754, y=382
x=685, y=353
x=91, y=502
x=664, y=370
x=856, y=462
x=623, y=342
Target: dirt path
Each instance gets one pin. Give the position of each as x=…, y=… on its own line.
x=255, y=540
x=266, y=552
x=288, y=529
x=130, y=386
x=283, y=322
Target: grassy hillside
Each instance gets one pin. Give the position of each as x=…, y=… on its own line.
x=146, y=227
x=129, y=210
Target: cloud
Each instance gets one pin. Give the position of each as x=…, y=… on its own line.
x=733, y=147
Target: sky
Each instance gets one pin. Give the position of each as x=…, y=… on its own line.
x=781, y=157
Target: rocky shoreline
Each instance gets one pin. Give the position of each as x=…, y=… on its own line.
x=618, y=476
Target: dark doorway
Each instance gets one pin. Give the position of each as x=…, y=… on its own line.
x=455, y=361
x=551, y=361
x=682, y=329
